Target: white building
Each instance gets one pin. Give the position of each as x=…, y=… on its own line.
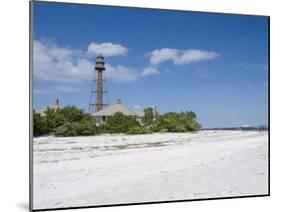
x=103, y=114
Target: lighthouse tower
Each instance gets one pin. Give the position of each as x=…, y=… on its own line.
x=99, y=90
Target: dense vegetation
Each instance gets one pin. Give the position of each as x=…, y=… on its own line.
x=71, y=121
x=68, y=121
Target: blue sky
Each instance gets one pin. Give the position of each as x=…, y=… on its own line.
x=213, y=64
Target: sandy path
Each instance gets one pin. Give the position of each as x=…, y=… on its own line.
x=118, y=169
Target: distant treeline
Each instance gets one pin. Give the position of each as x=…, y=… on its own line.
x=257, y=128
x=71, y=121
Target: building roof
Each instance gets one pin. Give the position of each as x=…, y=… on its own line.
x=118, y=107
x=110, y=111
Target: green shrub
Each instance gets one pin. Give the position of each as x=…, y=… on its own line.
x=137, y=130
x=119, y=123
x=65, y=130
x=39, y=125
x=54, y=119
x=71, y=121
x=68, y=121
x=86, y=127
x=163, y=130
x=148, y=116
x=176, y=122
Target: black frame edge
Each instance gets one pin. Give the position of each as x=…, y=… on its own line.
x=149, y=203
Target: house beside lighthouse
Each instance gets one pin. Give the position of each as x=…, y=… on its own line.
x=103, y=115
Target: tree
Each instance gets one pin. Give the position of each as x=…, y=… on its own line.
x=71, y=121
x=193, y=115
x=87, y=126
x=148, y=116
x=176, y=122
x=75, y=123
x=72, y=115
x=65, y=129
x=39, y=125
x=54, y=119
x=119, y=123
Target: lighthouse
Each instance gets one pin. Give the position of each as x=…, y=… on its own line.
x=98, y=86
x=100, y=69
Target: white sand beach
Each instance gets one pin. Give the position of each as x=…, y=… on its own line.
x=115, y=169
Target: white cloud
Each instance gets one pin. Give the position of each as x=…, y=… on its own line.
x=107, y=49
x=195, y=55
x=150, y=71
x=121, y=73
x=66, y=65
x=158, y=56
x=53, y=63
x=161, y=55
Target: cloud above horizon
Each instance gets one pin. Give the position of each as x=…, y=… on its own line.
x=107, y=49
x=67, y=65
x=121, y=73
x=150, y=71
x=180, y=57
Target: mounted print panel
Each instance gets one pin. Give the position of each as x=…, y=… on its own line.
x=136, y=105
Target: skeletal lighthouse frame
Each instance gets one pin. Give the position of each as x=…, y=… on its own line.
x=100, y=68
